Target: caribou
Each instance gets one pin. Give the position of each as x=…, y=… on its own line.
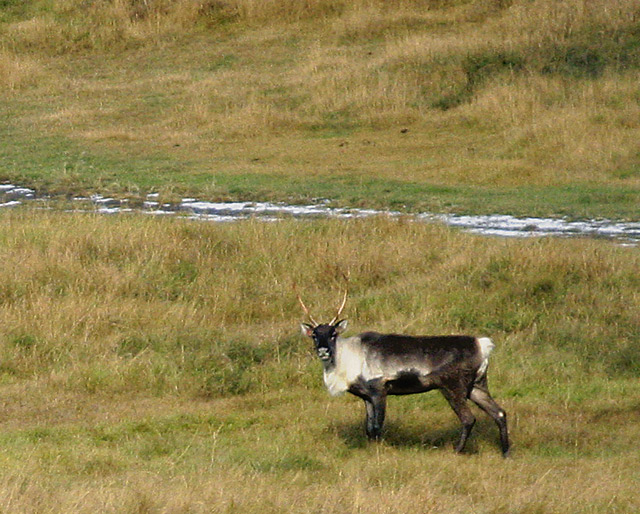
x=372, y=366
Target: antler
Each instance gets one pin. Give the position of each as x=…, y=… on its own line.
x=344, y=302
x=340, y=309
x=304, y=307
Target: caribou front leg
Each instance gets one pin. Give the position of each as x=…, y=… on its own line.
x=376, y=406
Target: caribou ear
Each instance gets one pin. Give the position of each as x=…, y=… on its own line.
x=307, y=330
x=341, y=326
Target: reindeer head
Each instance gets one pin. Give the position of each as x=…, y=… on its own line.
x=324, y=335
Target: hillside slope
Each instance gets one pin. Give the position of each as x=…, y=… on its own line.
x=526, y=107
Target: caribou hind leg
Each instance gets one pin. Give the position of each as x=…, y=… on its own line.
x=482, y=398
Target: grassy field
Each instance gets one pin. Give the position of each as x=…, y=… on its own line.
x=155, y=365
x=509, y=106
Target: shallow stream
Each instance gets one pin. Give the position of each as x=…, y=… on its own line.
x=623, y=232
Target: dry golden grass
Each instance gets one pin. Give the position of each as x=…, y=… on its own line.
x=17, y=72
x=155, y=365
x=489, y=93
